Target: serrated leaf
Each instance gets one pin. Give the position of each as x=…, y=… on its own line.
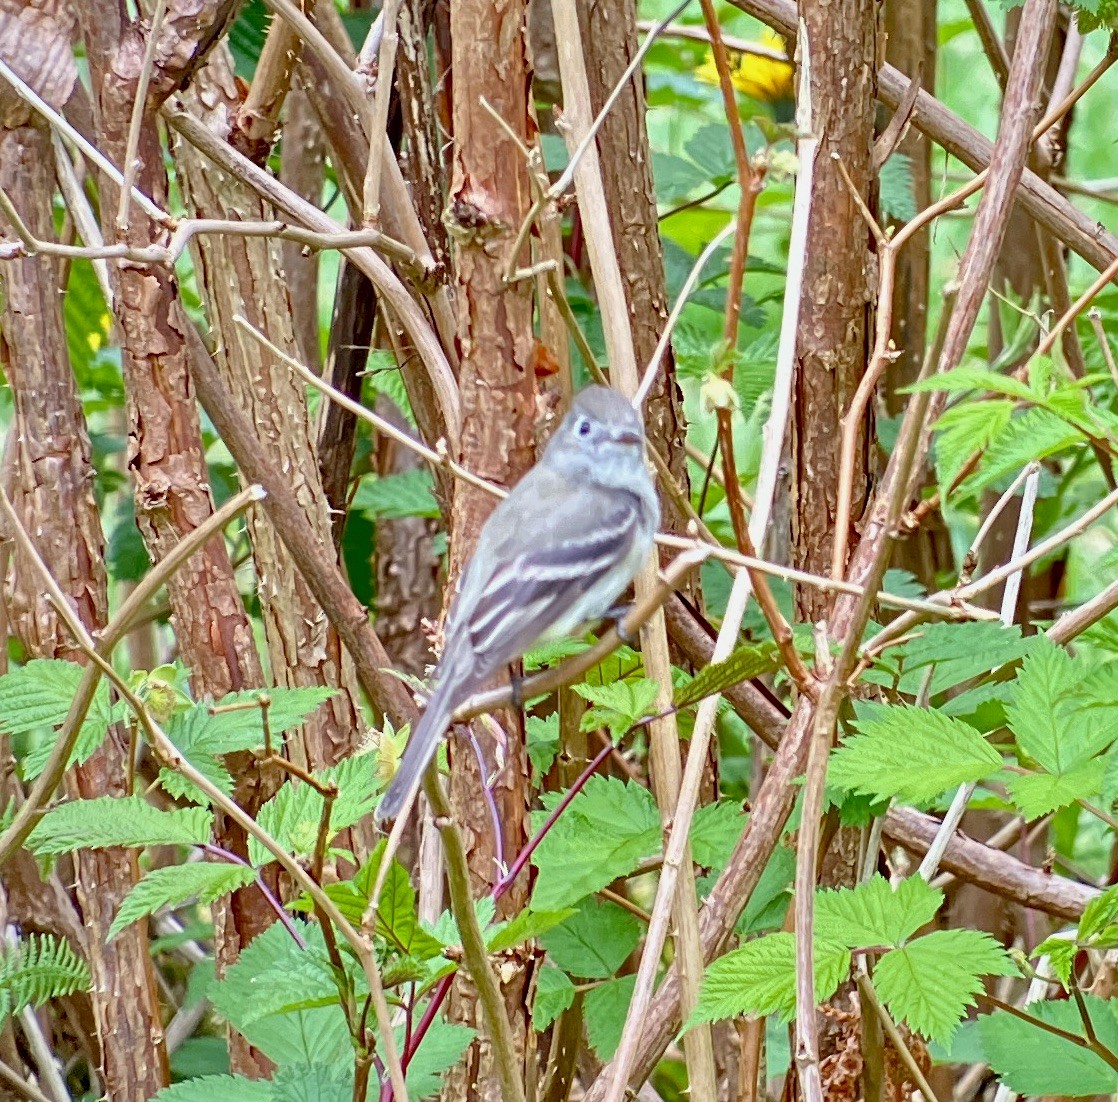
x=760, y=979
x=604, y=1008
x=931, y=982
x=273, y=969
x=1099, y=913
x=964, y=429
x=554, y=994
x=217, y=1088
x=874, y=913
x=543, y=740
x=595, y=941
x=715, y=830
x=175, y=884
x=966, y=378
x=395, y=496
x=958, y=653
x=126, y=821
x=914, y=754
x=440, y=1050
x=743, y=664
x=397, y=920
x=1045, y=712
x=897, y=196
x=242, y=728
x=313, y=1083
x=39, y=694
x=1038, y=794
x=1035, y=434
x=603, y=834
x=1033, y=1061
x=618, y=705
x=1061, y=955
x=293, y=815
x=526, y=926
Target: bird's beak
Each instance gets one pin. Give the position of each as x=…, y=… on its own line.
x=629, y=436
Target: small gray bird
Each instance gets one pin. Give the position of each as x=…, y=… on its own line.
x=553, y=556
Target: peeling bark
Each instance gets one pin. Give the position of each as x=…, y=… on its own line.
x=53, y=493
x=838, y=284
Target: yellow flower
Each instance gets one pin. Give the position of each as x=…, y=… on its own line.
x=759, y=75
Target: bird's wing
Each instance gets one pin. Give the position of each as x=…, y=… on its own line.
x=534, y=587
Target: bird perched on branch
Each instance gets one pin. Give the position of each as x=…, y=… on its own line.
x=553, y=556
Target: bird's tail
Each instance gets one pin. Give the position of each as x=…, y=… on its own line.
x=452, y=689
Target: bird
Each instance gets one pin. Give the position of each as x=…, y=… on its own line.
x=554, y=556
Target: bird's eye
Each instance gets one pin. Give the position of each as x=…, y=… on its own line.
x=582, y=426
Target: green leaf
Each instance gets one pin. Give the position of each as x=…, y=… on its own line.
x=873, y=913
x=273, y=969
x=397, y=920
x=217, y=1088
x=962, y=379
x=897, y=197
x=1035, y=434
x=554, y=994
x=743, y=664
x=1061, y=955
x=605, y=1007
x=931, y=982
x=604, y=833
x=1099, y=914
x=293, y=815
x=911, y=753
x=36, y=968
x=1031, y=1060
x=711, y=149
x=175, y=884
x=760, y=979
x=127, y=821
x=675, y=177
x=594, y=942
x=1038, y=794
x=395, y=496
x=243, y=728
x=768, y=904
x=38, y=695
x=440, y=1049
x=715, y=831
x=313, y=1083
x=543, y=740
x=965, y=429
x=958, y=653
x=618, y=705
x=526, y=926
x=1044, y=711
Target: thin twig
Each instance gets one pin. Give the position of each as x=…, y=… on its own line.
x=378, y=115
x=139, y=109
x=588, y=134
x=991, y=41
x=869, y=997
x=585, y=170
x=25, y=93
x=21, y=1086
x=117, y=627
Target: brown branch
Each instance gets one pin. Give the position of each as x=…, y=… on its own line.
x=1042, y=201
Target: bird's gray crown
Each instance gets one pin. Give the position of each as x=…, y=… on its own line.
x=605, y=404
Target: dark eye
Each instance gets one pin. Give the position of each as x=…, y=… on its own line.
x=582, y=427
